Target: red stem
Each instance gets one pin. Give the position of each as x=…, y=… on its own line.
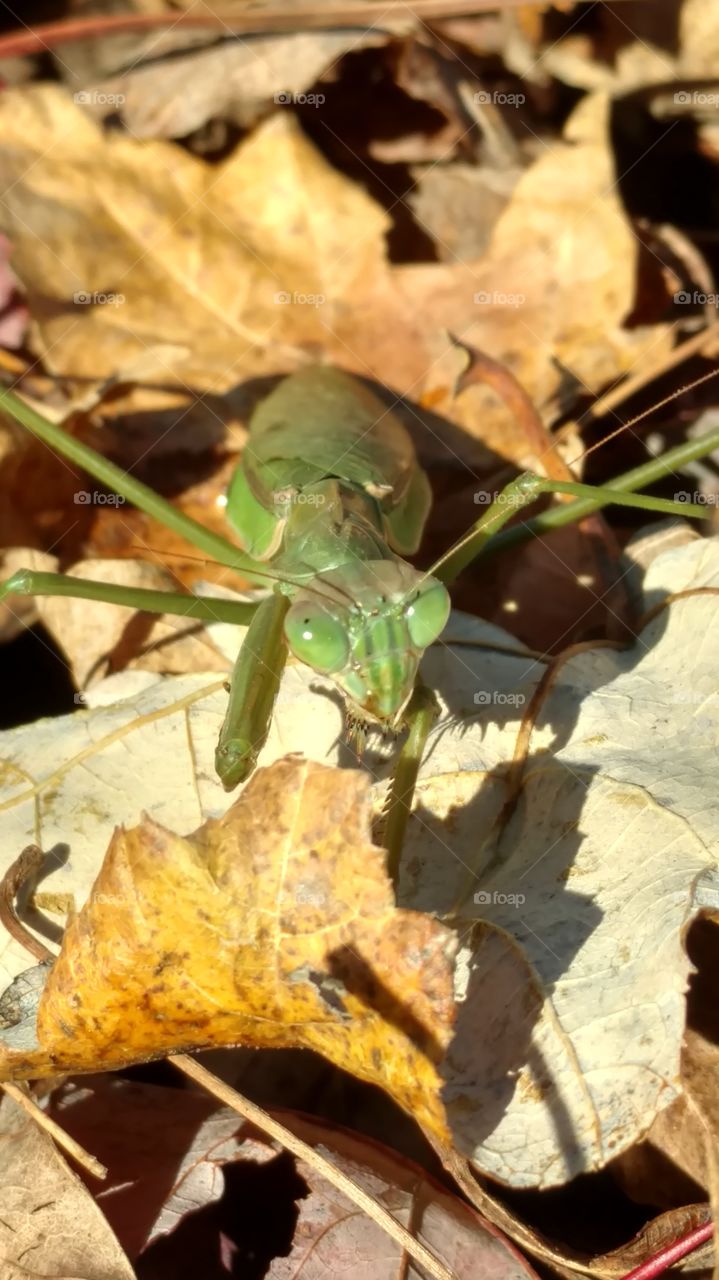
x=672, y=1253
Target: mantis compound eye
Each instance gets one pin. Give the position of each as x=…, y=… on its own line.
x=318, y=639
x=427, y=614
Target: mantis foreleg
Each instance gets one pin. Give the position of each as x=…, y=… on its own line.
x=255, y=680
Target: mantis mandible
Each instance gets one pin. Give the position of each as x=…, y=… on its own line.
x=327, y=501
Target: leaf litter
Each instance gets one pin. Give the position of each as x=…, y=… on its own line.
x=525, y=997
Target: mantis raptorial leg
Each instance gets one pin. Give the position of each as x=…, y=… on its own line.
x=253, y=688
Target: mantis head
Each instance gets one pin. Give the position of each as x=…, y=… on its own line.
x=367, y=629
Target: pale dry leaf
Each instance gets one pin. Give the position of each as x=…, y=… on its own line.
x=19, y=612
x=235, y=81
x=699, y=40
x=641, y=551
x=66, y=782
x=594, y=879
x=50, y=1223
x=458, y=204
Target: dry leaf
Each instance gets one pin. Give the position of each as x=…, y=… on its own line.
x=177, y=1153
x=157, y=245
x=50, y=1224
x=282, y=931
x=249, y=276
x=101, y=638
x=555, y=284
x=235, y=81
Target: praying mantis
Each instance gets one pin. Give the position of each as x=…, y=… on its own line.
x=328, y=499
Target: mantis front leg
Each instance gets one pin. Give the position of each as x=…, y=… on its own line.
x=253, y=689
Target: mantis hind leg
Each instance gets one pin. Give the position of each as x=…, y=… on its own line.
x=253, y=689
x=30, y=582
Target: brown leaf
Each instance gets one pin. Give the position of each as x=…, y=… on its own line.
x=173, y=1150
x=154, y=245
x=50, y=1226
x=679, y=1157
x=272, y=926
x=658, y=1234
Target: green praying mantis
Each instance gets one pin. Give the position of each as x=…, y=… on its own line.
x=328, y=499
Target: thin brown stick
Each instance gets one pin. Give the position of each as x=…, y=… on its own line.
x=24, y=866
x=58, y=1135
x=300, y=17
x=617, y=395
x=229, y=1096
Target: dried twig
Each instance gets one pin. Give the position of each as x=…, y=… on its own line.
x=24, y=866
x=58, y=1135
